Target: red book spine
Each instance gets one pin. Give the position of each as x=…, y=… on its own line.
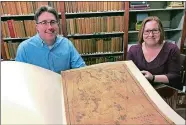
x=11, y=28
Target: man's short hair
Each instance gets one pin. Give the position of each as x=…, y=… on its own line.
x=46, y=8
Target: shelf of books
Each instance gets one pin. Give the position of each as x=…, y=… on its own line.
x=93, y=6
x=100, y=29
x=94, y=14
x=96, y=35
x=95, y=25
x=24, y=7
x=95, y=28
x=99, y=46
x=172, y=22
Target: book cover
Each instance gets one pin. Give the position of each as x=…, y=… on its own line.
x=11, y=28
x=3, y=51
x=6, y=50
x=138, y=2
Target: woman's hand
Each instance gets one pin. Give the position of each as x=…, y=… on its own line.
x=147, y=74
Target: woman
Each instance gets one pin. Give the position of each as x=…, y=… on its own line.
x=158, y=59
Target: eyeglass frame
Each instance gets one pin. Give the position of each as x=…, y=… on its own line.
x=151, y=31
x=45, y=23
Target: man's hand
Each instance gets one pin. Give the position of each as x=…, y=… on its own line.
x=147, y=74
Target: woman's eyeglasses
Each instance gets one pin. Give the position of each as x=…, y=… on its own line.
x=154, y=31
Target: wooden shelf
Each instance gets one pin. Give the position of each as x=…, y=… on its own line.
x=82, y=36
x=96, y=35
x=94, y=55
x=90, y=14
x=102, y=54
x=133, y=31
x=20, y=17
x=7, y=59
x=95, y=14
x=162, y=9
x=68, y=15
x=170, y=29
x=22, y=38
x=12, y=16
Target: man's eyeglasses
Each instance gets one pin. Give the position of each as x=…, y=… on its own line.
x=45, y=23
x=154, y=31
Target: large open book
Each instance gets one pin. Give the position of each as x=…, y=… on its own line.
x=108, y=93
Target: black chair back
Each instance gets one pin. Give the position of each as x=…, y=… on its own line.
x=183, y=70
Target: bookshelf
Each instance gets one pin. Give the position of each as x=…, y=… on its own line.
x=183, y=38
x=172, y=20
x=87, y=26
x=109, y=20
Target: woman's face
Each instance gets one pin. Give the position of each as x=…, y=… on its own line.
x=151, y=33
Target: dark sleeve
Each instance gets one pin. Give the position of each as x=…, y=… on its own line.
x=174, y=68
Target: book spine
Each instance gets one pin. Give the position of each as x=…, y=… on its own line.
x=3, y=50
x=138, y=6
x=6, y=50
x=3, y=4
x=138, y=3
x=11, y=28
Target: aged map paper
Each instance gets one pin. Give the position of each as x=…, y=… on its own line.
x=108, y=93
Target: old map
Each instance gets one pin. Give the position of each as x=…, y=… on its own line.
x=107, y=94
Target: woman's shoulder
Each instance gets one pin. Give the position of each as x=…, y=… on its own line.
x=135, y=47
x=170, y=46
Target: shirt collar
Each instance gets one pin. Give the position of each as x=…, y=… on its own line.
x=41, y=42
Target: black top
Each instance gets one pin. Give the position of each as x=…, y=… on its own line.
x=166, y=63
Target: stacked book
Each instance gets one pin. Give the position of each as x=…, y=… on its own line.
x=178, y=4
x=139, y=5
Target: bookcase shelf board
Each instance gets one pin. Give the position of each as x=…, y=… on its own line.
x=20, y=17
x=102, y=54
x=96, y=35
x=13, y=39
x=163, y=9
x=94, y=14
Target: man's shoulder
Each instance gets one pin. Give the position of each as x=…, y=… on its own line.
x=62, y=39
x=25, y=43
x=28, y=41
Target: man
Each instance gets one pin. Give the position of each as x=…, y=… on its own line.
x=46, y=49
